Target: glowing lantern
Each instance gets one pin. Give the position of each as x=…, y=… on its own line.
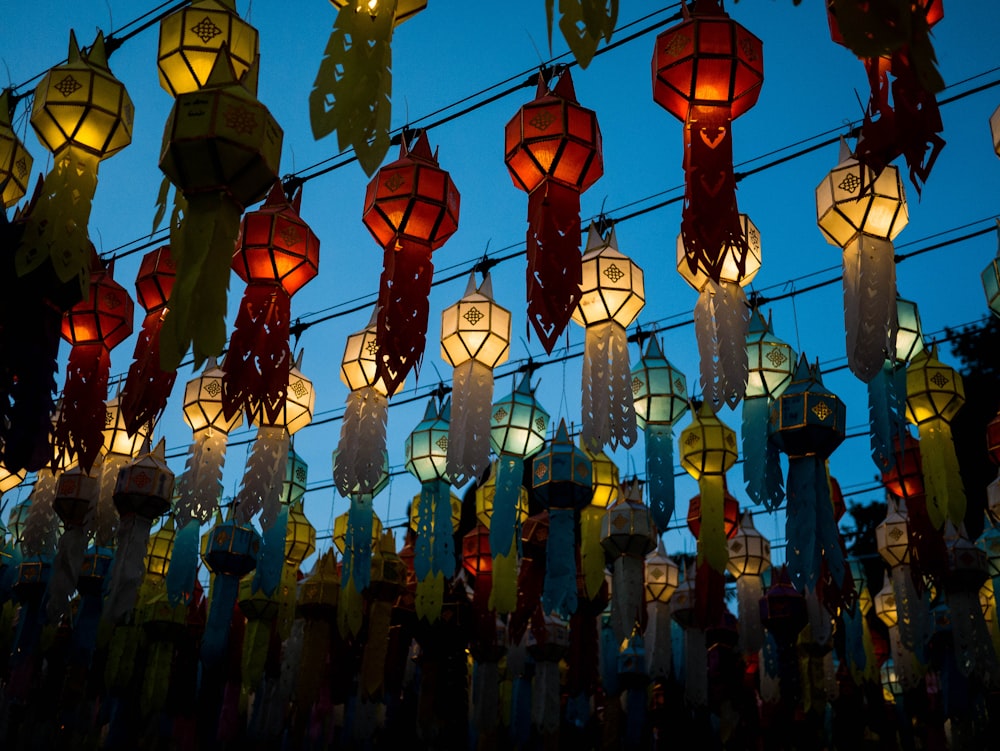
x=659, y=392
x=991, y=277
x=808, y=423
x=93, y=328
x=76, y=497
x=611, y=296
x=411, y=209
x=475, y=339
x=730, y=515
x=707, y=71
x=83, y=115
x=863, y=221
x=221, y=149
x=427, y=460
x=552, y=148
x=192, y=38
x=351, y=93
x=15, y=161
x=934, y=394
x=147, y=385
x=627, y=535
x=749, y=558
x=278, y=253
x=770, y=363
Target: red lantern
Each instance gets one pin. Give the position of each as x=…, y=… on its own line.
x=411, y=209
x=905, y=479
x=552, y=148
x=730, y=512
x=707, y=71
x=278, y=254
x=147, y=386
x=93, y=327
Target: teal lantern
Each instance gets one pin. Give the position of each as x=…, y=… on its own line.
x=659, y=393
x=991, y=279
x=517, y=431
x=427, y=460
x=807, y=424
x=230, y=554
x=770, y=363
x=561, y=478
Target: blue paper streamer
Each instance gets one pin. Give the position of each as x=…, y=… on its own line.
x=635, y=712
x=358, y=542
x=761, y=459
x=183, y=563
x=660, y=473
x=559, y=588
x=520, y=721
x=507, y=492
x=220, y=614
x=444, y=531
x=267, y=575
x=827, y=536
x=771, y=654
x=854, y=638
x=887, y=413
x=609, y=659
x=802, y=553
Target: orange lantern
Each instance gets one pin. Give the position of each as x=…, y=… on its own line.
x=411, y=209
x=552, y=148
x=278, y=254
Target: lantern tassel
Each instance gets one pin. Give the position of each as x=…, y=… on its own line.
x=802, y=552
x=469, y=427
x=504, y=532
x=156, y=677
x=764, y=482
x=403, y=307
x=887, y=413
x=659, y=651
x=104, y=519
x=722, y=320
x=376, y=649
x=358, y=543
x=200, y=485
x=361, y=456
x=225, y=590
x=555, y=265
x=545, y=710
x=942, y=479
x=869, y=304
x=265, y=473
x=79, y=428
x=608, y=406
x=65, y=571
x=183, y=562
x=909, y=671
x=911, y=608
x=257, y=359
x=749, y=591
x=559, y=589
x=659, y=443
x=503, y=594
x=970, y=634
x=434, y=558
x=591, y=551
x=203, y=253
x=41, y=525
x=267, y=575
x=129, y=566
x=712, y=546
x=147, y=385
x=626, y=595
x=854, y=642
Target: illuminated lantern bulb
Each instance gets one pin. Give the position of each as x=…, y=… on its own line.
x=749, y=558
x=611, y=295
x=475, y=338
x=15, y=161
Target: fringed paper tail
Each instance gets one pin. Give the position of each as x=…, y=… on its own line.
x=722, y=320
x=559, y=589
x=713, y=548
x=503, y=594
x=147, y=385
x=942, y=478
x=764, y=482
x=200, y=485
x=469, y=427
x=911, y=610
x=403, y=307
x=358, y=543
x=225, y=590
x=262, y=481
x=591, y=550
x=78, y=431
x=659, y=444
x=129, y=566
x=971, y=636
x=545, y=708
x=695, y=667
x=183, y=563
x=659, y=648
x=103, y=523
x=869, y=304
x=267, y=575
x=887, y=413
x=504, y=526
x=485, y=697
x=749, y=591
x=909, y=671
x=626, y=596
x=373, y=659
x=608, y=407
x=803, y=551
x=361, y=454
x=41, y=525
x=65, y=571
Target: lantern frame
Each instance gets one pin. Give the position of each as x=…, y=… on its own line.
x=518, y=423
x=203, y=402
x=659, y=390
x=770, y=359
x=476, y=328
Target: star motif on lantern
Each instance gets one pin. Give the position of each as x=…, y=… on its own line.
x=298, y=388
x=939, y=379
x=636, y=385
x=112, y=301
x=372, y=347
x=290, y=234
x=822, y=411
x=748, y=49
x=895, y=533
x=500, y=414
x=677, y=45
x=141, y=479
x=240, y=119
x=109, y=419
x=613, y=273
x=213, y=388
x=442, y=443
x=395, y=182
x=473, y=316
x=776, y=357
x=539, y=424
x=21, y=166
x=850, y=183
x=541, y=471
x=68, y=86
x=542, y=120
x=206, y=30
x=693, y=439
x=300, y=474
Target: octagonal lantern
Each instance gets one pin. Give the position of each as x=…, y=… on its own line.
x=203, y=401
x=749, y=550
x=15, y=161
x=728, y=267
x=661, y=576
x=612, y=288
x=476, y=328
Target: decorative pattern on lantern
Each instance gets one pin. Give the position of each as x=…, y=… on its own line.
x=707, y=71
x=221, y=149
x=411, y=209
x=770, y=363
x=427, y=459
x=561, y=479
x=627, y=535
x=352, y=90
x=15, y=161
x=93, y=327
x=475, y=339
x=749, y=558
x=83, y=115
x=192, y=38
x=807, y=424
x=611, y=295
x=934, y=394
x=863, y=221
x=552, y=148
x=278, y=254
x=659, y=392
x=147, y=385
x=517, y=432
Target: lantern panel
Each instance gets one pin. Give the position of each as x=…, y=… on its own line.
x=934, y=391
x=116, y=437
x=15, y=161
x=159, y=549
x=476, y=556
x=770, y=361
x=659, y=391
x=300, y=535
x=518, y=424
x=475, y=328
x=155, y=279
x=612, y=289
x=297, y=410
x=661, y=577
x=708, y=446
x=893, y=539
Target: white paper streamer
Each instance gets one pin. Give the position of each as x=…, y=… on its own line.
x=129, y=566
x=360, y=458
x=104, y=522
x=608, y=408
x=200, y=486
x=545, y=714
x=626, y=595
x=721, y=321
x=65, y=572
x=820, y=620
x=658, y=641
x=263, y=478
x=749, y=590
x=869, y=304
x=41, y=525
x=469, y=427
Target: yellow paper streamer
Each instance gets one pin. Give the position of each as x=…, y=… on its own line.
x=591, y=550
x=430, y=597
x=712, y=544
x=503, y=595
x=376, y=647
x=350, y=609
x=942, y=477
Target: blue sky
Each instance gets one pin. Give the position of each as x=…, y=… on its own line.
x=453, y=51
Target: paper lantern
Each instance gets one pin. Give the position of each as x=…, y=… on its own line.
x=193, y=37
x=147, y=385
x=659, y=393
x=770, y=364
x=475, y=339
x=15, y=161
x=934, y=394
x=277, y=255
x=221, y=149
x=707, y=71
x=611, y=295
x=991, y=278
x=426, y=452
x=861, y=212
x=230, y=554
x=730, y=515
x=83, y=115
x=552, y=148
x=807, y=425
x=76, y=497
x=749, y=558
x=93, y=328
x=627, y=536
x=411, y=209
x=351, y=93
x=993, y=449
x=661, y=579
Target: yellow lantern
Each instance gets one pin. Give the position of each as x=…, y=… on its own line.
x=10, y=480
x=15, y=161
x=158, y=551
x=191, y=39
x=475, y=338
x=82, y=114
x=415, y=513
x=340, y=531
x=486, y=493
